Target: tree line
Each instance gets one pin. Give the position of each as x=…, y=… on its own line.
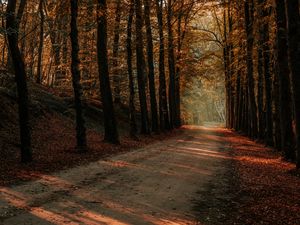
x=262, y=71
x=75, y=34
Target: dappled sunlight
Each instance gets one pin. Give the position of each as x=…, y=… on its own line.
x=259, y=160
x=112, y=212
x=13, y=198
x=91, y=218
x=201, y=143
x=198, y=152
x=131, y=190
x=52, y=217
x=176, y=169
x=134, y=188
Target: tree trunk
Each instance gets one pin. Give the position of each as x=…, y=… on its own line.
x=252, y=130
x=80, y=123
x=20, y=76
x=237, y=104
x=110, y=125
x=171, y=63
x=268, y=79
x=163, y=101
x=41, y=43
x=293, y=25
x=140, y=67
x=132, y=114
x=282, y=73
x=226, y=69
x=260, y=71
x=116, y=75
x=151, y=74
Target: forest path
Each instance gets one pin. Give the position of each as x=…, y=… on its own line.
x=171, y=182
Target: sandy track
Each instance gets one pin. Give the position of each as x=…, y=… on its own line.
x=158, y=184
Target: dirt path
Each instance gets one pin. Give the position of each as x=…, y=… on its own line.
x=172, y=182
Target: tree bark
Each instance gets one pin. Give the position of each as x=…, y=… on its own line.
x=140, y=68
x=282, y=73
x=116, y=75
x=171, y=63
x=20, y=76
x=80, y=123
x=252, y=130
x=41, y=43
x=267, y=76
x=260, y=71
x=163, y=101
x=293, y=25
x=151, y=74
x=132, y=114
x=110, y=124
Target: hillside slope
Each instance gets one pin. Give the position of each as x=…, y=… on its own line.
x=53, y=133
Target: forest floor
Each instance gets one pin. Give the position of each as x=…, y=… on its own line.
x=203, y=175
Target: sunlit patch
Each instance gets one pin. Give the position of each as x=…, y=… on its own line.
x=121, y=164
x=91, y=218
x=52, y=217
x=258, y=160
x=198, y=152
x=14, y=198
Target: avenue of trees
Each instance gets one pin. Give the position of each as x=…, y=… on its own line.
x=262, y=55
x=143, y=54
x=126, y=52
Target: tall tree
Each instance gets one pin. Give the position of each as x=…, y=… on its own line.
x=20, y=76
x=151, y=74
x=249, y=17
x=260, y=71
x=171, y=63
x=293, y=25
x=132, y=114
x=116, y=75
x=110, y=124
x=140, y=67
x=163, y=101
x=80, y=123
x=282, y=73
x=267, y=73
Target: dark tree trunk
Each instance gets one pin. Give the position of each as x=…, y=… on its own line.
x=163, y=101
x=151, y=74
x=276, y=114
x=260, y=94
x=237, y=104
x=20, y=76
x=282, y=73
x=230, y=65
x=246, y=113
x=110, y=124
x=116, y=75
x=226, y=69
x=171, y=63
x=80, y=123
x=252, y=130
x=293, y=24
x=132, y=114
x=140, y=67
x=19, y=16
x=260, y=71
x=41, y=43
x=180, y=38
x=268, y=79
